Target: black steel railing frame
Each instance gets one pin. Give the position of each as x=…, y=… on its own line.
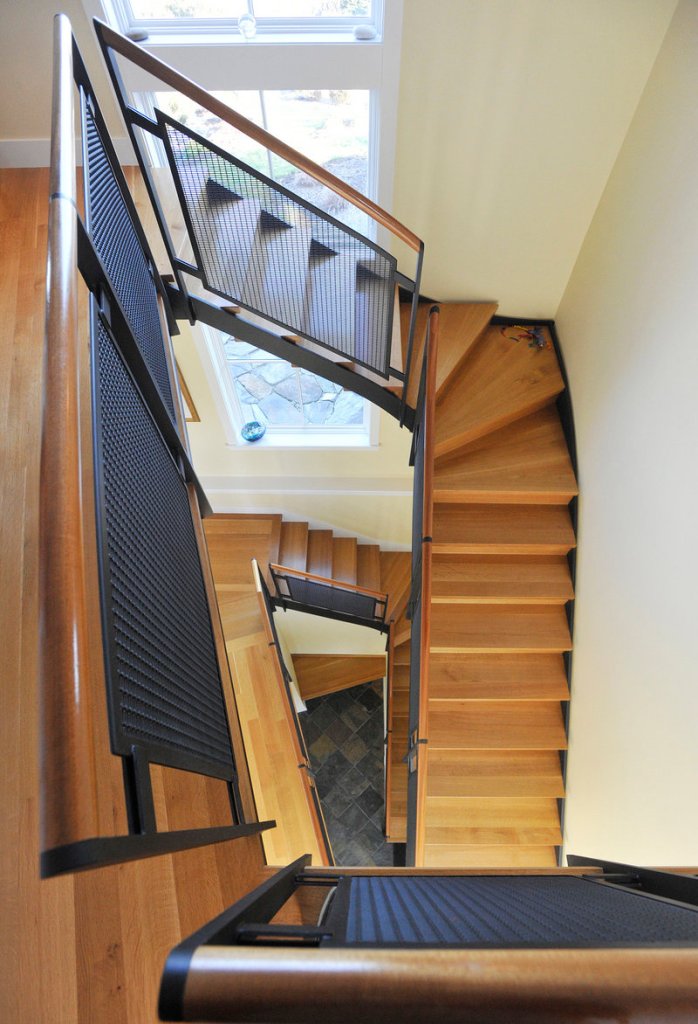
x=328, y=598
x=106, y=313
x=193, y=308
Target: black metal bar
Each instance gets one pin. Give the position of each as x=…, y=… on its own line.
x=105, y=850
x=337, y=616
x=260, y=904
x=281, y=934
x=126, y=110
x=667, y=884
x=139, y=767
x=116, y=322
x=410, y=340
x=82, y=80
x=229, y=323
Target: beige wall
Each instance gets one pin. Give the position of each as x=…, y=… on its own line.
x=628, y=324
x=26, y=59
x=511, y=115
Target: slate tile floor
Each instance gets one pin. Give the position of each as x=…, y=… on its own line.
x=344, y=734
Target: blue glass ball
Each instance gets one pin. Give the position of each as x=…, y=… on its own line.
x=253, y=430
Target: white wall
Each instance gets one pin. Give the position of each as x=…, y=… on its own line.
x=629, y=328
x=511, y=115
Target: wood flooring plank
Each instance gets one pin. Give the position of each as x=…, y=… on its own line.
x=452, y=855
x=492, y=821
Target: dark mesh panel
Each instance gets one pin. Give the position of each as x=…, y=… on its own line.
x=119, y=249
x=275, y=255
x=167, y=687
x=318, y=595
x=500, y=911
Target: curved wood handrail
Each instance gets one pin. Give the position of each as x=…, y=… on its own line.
x=68, y=784
x=428, y=441
x=389, y=720
x=238, y=983
x=285, y=570
x=169, y=76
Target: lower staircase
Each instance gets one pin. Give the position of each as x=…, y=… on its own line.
x=501, y=590
x=280, y=780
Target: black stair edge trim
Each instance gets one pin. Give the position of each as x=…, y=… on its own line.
x=230, y=323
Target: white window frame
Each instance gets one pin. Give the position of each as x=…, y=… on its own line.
x=191, y=31
x=230, y=411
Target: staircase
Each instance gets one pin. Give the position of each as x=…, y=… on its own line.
x=280, y=783
x=501, y=581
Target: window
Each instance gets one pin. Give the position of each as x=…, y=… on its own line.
x=296, y=407
x=248, y=20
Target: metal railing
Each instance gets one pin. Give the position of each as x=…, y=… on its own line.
x=418, y=608
x=259, y=245
x=333, y=599
x=126, y=592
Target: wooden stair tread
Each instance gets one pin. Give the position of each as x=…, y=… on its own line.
x=492, y=821
x=505, y=579
x=293, y=547
x=497, y=677
x=502, y=529
x=395, y=579
x=476, y=628
x=234, y=540
x=457, y=856
x=496, y=725
x=460, y=326
x=527, y=461
x=368, y=566
x=494, y=773
x=501, y=381
x=402, y=629
x=319, y=560
x=320, y=674
x=344, y=559
x=401, y=677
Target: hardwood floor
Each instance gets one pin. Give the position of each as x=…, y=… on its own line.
x=87, y=949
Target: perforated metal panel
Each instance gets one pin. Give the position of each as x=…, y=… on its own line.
x=496, y=911
x=165, y=687
x=261, y=246
x=116, y=241
x=320, y=595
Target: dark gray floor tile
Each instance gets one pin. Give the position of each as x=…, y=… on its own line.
x=370, y=801
x=354, y=749
x=323, y=715
x=339, y=731
x=355, y=715
x=370, y=699
x=322, y=748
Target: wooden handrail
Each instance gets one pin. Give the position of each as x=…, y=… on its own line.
x=69, y=810
x=299, y=753
x=428, y=442
x=400, y=986
x=169, y=76
x=339, y=584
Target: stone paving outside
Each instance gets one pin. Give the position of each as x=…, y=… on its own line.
x=344, y=734
x=277, y=394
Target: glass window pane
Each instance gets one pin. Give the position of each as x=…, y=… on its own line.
x=312, y=8
x=144, y=10
x=330, y=126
